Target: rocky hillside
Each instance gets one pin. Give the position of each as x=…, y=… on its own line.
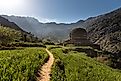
x=105, y=30
x=44, y=30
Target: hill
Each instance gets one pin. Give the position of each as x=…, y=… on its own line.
x=105, y=30
x=9, y=35
x=51, y=30
x=6, y=23
x=10, y=32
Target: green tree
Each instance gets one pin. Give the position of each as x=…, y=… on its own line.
x=9, y=35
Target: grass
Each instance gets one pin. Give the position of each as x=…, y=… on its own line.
x=21, y=65
x=25, y=44
x=75, y=66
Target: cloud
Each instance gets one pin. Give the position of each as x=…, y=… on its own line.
x=45, y=20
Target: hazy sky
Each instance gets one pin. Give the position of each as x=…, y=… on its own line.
x=58, y=10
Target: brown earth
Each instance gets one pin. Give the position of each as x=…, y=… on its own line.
x=46, y=68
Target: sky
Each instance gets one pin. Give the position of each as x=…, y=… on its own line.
x=60, y=11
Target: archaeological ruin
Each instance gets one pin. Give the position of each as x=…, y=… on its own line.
x=78, y=36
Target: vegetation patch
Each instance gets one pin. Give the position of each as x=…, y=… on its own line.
x=9, y=35
x=21, y=65
x=25, y=44
x=76, y=66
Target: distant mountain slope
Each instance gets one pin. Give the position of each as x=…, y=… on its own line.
x=52, y=30
x=8, y=29
x=105, y=30
x=7, y=23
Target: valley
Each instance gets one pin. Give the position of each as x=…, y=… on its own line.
x=87, y=50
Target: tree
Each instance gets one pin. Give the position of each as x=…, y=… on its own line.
x=9, y=35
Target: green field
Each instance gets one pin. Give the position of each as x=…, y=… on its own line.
x=75, y=66
x=22, y=64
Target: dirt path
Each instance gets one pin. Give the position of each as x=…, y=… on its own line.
x=46, y=68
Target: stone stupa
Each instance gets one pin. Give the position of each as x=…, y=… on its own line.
x=78, y=36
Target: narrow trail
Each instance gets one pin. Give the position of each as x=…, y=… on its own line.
x=45, y=71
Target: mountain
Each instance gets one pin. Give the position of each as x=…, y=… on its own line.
x=105, y=30
x=51, y=30
x=9, y=30
x=5, y=22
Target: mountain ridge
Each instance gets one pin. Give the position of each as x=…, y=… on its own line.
x=104, y=30
x=5, y=22
x=43, y=30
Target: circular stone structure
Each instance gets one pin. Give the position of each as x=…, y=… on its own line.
x=78, y=34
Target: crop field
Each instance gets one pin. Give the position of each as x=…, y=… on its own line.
x=75, y=66
x=22, y=64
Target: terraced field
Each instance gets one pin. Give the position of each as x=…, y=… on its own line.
x=22, y=64
x=75, y=66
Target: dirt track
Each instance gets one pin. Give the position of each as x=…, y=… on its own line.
x=46, y=68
